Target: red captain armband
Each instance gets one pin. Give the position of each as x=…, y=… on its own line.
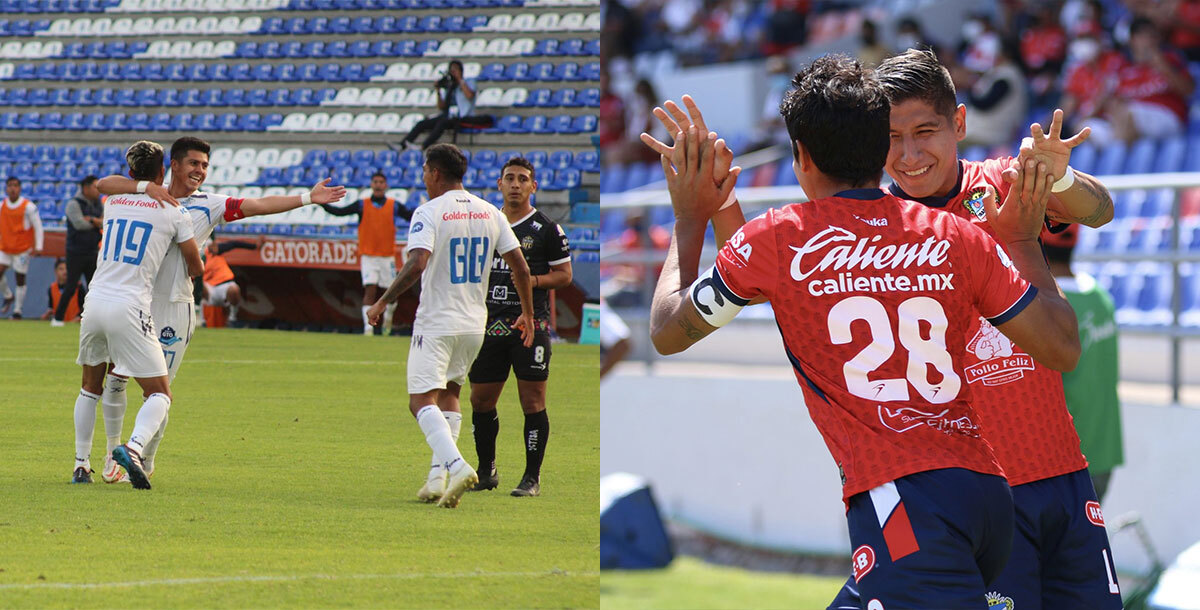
x=233, y=210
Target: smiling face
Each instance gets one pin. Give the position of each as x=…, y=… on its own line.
x=190, y=171
x=923, y=156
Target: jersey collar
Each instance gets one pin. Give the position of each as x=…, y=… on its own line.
x=868, y=194
x=527, y=217
x=934, y=201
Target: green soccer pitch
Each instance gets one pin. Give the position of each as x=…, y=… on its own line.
x=288, y=478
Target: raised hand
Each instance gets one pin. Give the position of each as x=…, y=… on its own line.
x=159, y=193
x=694, y=162
x=1024, y=209
x=1050, y=148
x=322, y=193
x=676, y=121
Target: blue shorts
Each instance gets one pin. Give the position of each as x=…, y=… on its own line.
x=1061, y=558
x=933, y=539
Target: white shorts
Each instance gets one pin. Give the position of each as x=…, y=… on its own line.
x=378, y=270
x=117, y=332
x=217, y=295
x=434, y=361
x=173, y=325
x=1154, y=121
x=18, y=262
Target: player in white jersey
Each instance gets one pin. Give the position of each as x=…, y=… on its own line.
x=117, y=325
x=450, y=245
x=173, y=311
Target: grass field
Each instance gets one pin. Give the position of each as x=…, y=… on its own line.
x=288, y=477
x=691, y=583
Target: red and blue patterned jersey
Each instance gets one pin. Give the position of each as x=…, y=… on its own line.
x=874, y=296
x=1021, y=401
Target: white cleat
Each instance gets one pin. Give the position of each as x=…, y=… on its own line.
x=113, y=473
x=54, y=322
x=460, y=482
x=432, y=490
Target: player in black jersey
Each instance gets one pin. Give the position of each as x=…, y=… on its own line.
x=545, y=247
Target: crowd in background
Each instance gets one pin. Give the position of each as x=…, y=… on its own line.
x=1118, y=66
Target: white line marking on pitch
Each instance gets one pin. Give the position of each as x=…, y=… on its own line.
x=280, y=578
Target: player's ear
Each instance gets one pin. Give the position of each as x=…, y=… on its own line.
x=960, y=123
x=801, y=160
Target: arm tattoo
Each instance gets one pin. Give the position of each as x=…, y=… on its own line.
x=1099, y=194
x=690, y=330
x=404, y=280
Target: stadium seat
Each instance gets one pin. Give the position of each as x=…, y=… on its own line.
x=568, y=71
x=564, y=98
x=585, y=123
x=558, y=124
x=588, y=161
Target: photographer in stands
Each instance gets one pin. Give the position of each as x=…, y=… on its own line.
x=456, y=100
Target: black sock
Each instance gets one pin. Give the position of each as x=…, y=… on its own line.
x=537, y=432
x=485, y=426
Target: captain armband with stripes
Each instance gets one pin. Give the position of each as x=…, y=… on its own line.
x=715, y=302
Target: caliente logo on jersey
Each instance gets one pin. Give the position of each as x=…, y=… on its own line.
x=849, y=252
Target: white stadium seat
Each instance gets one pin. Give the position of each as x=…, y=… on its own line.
x=32, y=50
x=471, y=69
x=498, y=47
x=420, y=71
x=546, y=22
x=6, y=70
x=231, y=191
x=475, y=47
x=141, y=27
x=159, y=49
x=492, y=96
x=395, y=72
x=221, y=156
x=164, y=25
x=81, y=27
x=397, y=194
x=521, y=46
x=181, y=50
x=122, y=27
x=409, y=120
x=208, y=25
x=251, y=192
x=243, y=157
x=290, y=156
x=11, y=50
x=317, y=121
x=514, y=96
x=53, y=48
x=393, y=97
x=498, y=23
x=59, y=27
x=267, y=157
x=371, y=96
x=225, y=48
x=186, y=25
x=592, y=22
x=525, y=22
x=203, y=49
x=449, y=47
x=364, y=122
x=388, y=122
x=275, y=191
x=230, y=25
x=420, y=98
x=340, y=122
x=292, y=122
x=251, y=24
x=245, y=175
x=347, y=96
x=221, y=174
x=101, y=27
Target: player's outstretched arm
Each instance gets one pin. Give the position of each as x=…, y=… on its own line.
x=321, y=193
x=191, y=256
x=124, y=185
x=521, y=279
x=1085, y=200
x=1047, y=328
x=409, y=274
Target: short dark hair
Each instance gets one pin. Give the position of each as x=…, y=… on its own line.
x=145, y=160
x=88, y=181
x=917, y=74
x=183, y=145
x=1142, y=23
x=379, y=175
x=520, y=162
x=448, y=159
x=12, y=179
x=839, y=112
x=59, y=261
x=455, y=62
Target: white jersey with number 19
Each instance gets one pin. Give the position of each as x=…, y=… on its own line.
x=137, y=233
x=461, y=231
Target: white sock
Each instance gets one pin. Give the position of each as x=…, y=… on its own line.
x=454, y=420
x=20, y=299
x=113, y=403
x=367, y=328
x=233, y=313
x=85, y=427
x=389, y=311
x=437, y=434
x=149, y=419
x=151, y=448
x=4, y=286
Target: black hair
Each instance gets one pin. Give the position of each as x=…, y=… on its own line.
x=1141, y=23
x=455, y=62
x=520, y=162
x=59, y=261
x=145, y=160
x=917, y=74
x=87, y=181
x=183, y=145
x=448, y=159
x=11, y=179
x=379, y=175
x=839, y=112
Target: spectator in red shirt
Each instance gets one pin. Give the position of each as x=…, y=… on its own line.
x=1185, y=33
x=1091, y=81
x=1152, y=90
x=1043, y=49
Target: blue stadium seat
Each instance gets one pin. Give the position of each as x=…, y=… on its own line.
x=199, y=72
x=174, y=71
x=292, y=49
x=160, y=122
x=74, y=121
x=240, y=72
x=1170, y=155
x=589, y=71
x=566, y=98
x=411, y=158
x=313, y=49
x=538, y=158
x=510, y=124
x=589, y=97
x=542, y=71
x=96, y=50
x=371, y=71
x=250, y=122
x=316, y=156
x=212, y=97
x=535, y=98
x=386, y=158
x=118, y=121
x=427, y=47
x=414, y=198
x=341, y=25
x=363, y=158
x=145, y=97
x=585, y=123
x=363, y=25
x=560, y=160
x=273, y=26
x=139, y=121
x=394, y=175
x=574, y=46
x=247, y=50
x=44, y=153
x=412, y=178
x=279, y=97
x=360, y=48
x=484, y=159
x=1141, y=157
x=353, y=73
x=308, y=72
x=336, y=49
x=119, y=50
x=381, y=48
x=266, y=72
x=546, y=47
x=455, y=23
x=492, y=71
x=405, y=48
x=314, y=175
x=31, y=120
x=26, y=71
x=472, y=180
x=111, y=71
x=125, y=97
x=588, y=161
x=567, y=71
x=227, y=121
x=206, y=122
x=74, y=50
x=296, y=25
x=568, y=178
x=318, y=25
x=272, y=120
x=592, y=47
x=339, y=157
x=559, y=124
x=518, y=71
x=1112, y=160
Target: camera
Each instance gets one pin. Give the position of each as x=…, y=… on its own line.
x=445, y=81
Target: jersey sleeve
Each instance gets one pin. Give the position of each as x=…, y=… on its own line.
x=181, y=220
x=423, y=232
x=558, y=248
x=997, y=289
x=232, y=210
x=506, y=240
x=747, y=267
